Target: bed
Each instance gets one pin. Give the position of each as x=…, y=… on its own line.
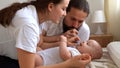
x=110, y=58
x=114, y=52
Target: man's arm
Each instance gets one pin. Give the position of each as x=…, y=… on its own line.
x=48, y=41
x=46, y=45
x=51, y=39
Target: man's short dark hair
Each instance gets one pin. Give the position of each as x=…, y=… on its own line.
x=79, y=4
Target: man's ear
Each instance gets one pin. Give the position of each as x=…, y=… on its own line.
x=50, y=7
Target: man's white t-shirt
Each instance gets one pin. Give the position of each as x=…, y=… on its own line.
x=57, y=29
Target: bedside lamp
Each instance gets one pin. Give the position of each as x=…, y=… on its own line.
x=98, y=18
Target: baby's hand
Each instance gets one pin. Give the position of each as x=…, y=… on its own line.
x=63, y=38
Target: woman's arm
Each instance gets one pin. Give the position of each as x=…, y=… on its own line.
x=49, y=41
x=46, y=45
x=26, y=59
x=79, y=61
x=51, y=38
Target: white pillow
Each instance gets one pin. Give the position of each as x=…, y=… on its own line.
x=114, y=51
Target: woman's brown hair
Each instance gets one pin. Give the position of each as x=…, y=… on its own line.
x=8, y=13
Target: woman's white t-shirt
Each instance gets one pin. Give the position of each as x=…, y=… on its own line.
x=57, y=29
x=26, y=30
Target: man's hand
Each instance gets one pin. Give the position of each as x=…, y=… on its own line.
x=72, y=37
x=73, y=41
x=71, y=33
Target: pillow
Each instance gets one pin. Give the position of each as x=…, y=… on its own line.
x=114, y=51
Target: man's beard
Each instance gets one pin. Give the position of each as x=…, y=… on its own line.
x=66, y=28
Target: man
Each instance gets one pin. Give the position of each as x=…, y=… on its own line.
x=77, y=12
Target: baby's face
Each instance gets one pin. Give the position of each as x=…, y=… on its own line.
x=86, y=47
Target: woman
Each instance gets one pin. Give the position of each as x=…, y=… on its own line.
x=26, y=23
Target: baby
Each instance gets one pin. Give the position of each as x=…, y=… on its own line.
x=62, y=53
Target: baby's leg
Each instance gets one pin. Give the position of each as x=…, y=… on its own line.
x=38, y=60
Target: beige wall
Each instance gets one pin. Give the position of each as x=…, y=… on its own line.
x=112, y=12
x=95, y=5
x=4, y=3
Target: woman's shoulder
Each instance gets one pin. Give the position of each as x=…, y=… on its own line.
x=28, y=10
x=26, y=15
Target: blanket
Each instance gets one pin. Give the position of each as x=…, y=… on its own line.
x=104, y=62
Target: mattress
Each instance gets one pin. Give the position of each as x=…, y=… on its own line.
x=114, y=51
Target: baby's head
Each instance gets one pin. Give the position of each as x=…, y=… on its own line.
x=91, y=47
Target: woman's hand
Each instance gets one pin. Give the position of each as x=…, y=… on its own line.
x=79, y=61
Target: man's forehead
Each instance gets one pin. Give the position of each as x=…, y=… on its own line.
x=76, y=16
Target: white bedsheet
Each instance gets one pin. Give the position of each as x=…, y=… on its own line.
x=104, y=62
x=114, y=51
